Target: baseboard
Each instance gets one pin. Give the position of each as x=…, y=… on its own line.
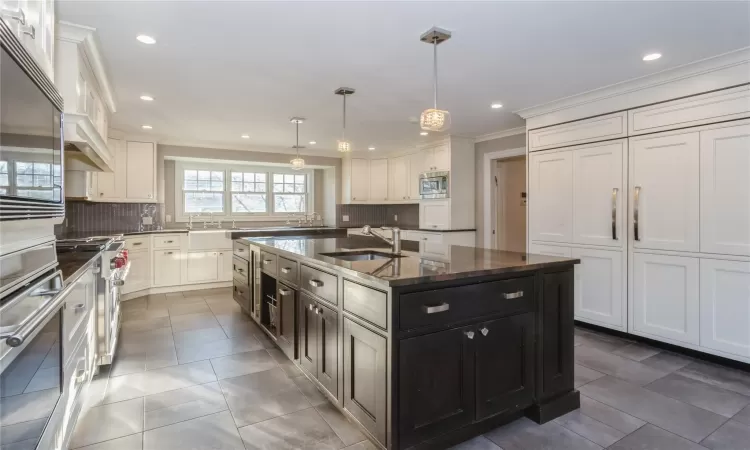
x=170, y=289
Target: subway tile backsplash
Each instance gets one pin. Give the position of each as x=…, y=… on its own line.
x=102, y=218
x=377, y=215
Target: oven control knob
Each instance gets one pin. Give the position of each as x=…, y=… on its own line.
x=119, y=262
x=124, y=255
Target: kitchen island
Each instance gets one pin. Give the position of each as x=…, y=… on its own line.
x=419, y=352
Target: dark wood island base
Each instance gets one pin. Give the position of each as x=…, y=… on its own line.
x=419, y=354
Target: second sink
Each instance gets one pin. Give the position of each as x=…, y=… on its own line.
x=361, y=255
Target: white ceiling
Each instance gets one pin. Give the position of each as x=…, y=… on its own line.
x=221, y=69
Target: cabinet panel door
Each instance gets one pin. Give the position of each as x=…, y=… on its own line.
x=111, y=185
x=725, y=190
x=167, y=267
x=664, y=191
x=287, y=329
x=225, y=266
x=378, y=180
x=598, y=192
x=202, y=267
x=441, y=158
x=416, y=166
x=665, y=296
x=139, y=276
x=504, y=365
x=551, y=197
x=398, y=173
x=365, y=376
x=435, y=214
x=555, y=325
x=141, y=170
x=360, y=179
x=599, y=286
x=308, y=334
x=436, y=385
x=550, y=250
x=725, y=306
x=328, y=349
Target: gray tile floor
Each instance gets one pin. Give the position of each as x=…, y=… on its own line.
x=194, y=373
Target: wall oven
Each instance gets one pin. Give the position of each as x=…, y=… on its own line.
x=31, y=144
x=433, y=185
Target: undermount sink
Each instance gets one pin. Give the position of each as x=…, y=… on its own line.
x=363, y=255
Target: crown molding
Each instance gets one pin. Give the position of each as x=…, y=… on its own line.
x=501, y=134
x=701, y=67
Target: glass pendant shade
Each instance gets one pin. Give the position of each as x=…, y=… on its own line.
x=435, y=120
x=298, y=163
x=344, y=146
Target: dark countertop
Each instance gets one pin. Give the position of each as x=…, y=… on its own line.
x=287, y=231
x=416, y=228
x=75, y=234
x=413, y=267
x=73, y=265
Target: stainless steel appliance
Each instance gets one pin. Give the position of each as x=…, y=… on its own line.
x=434, y=185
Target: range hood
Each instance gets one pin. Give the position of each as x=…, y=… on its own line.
x=82, y=80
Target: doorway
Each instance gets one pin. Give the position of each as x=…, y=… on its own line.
x=508, y=215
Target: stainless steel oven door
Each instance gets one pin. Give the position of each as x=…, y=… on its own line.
x=433, y=185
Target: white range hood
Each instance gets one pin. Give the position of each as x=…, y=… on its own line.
x=82, y=80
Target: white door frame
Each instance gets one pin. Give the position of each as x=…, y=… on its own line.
x=488, y=158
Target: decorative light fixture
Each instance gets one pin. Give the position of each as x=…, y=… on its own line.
x=434, y=119
x=343, y=145
x=297, y=163
x=652, y=57
x=146, y=39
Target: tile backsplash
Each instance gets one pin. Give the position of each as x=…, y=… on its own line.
x=377, y=215
x=103, y=217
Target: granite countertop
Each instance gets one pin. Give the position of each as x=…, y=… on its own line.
x=73, y=265
x=413, y=267
x=416, y=228
x=76, y=234
x=286, y=231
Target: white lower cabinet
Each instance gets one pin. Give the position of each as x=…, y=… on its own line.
x=225, y=265
x=202, y=266
x=599, y=282
x=435, y=214
x=665, y=297
x=550, y=250
x=167, y=267
x=139, y=276
x=725, y=306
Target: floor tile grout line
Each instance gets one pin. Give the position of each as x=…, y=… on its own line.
x=106, y=440
x=699, y=407
x=576, y=433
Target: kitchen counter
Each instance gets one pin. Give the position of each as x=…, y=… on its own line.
x=286, y=231
x=86, y=234
x=412, y=267
x=416, y=228
x=73, y=265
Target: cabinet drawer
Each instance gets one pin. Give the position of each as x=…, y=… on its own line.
x=167, y=241
x=241, y=295
x=288, y=270
x=269, y=262
x=443, y=306
x=435, y=238
x=138, y=243
x=76, y=315
x=240, y=270
x=320, y=283
x=241, y=250
x=367, y=303
x=611, y=126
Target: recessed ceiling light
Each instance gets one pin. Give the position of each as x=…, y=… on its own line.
x=313, y=142
x=147, y=98
x=146, y=127
x=146, y=39
x=496, y=105
x=424, y=133
x=652, y=57
x=371, y=148
x=245, y=136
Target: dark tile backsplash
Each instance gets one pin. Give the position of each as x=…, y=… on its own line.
x=103, y=217
x=377, y=215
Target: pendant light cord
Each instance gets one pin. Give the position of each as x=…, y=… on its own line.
x=435, y=71
x=343, y=132
x=297, y=123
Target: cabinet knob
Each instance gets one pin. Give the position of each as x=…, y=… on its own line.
x=101, y=194
x=469, y=334
x=150, y=195
x=484, y=331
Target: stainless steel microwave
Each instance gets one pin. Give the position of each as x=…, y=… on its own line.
x=31, y=141
x=434, y=185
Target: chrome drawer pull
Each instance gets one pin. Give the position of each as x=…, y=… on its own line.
x=614, y=213
x=436, y=309
x=79, y=306
x=286, y=269
x=137, y=243
x=512, y=295
x=284, y=292
x=169, y=242
x=636, y=216
x=267, y=261
x=238, y=269
x=316, y=283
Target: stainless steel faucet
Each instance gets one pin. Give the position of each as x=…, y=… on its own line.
x=394, y=241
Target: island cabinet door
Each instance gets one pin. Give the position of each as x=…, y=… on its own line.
x=328, y=349
x=504, y=365
x=287, y=329
x=555, y=335
x=436, y=384
x=308, y=334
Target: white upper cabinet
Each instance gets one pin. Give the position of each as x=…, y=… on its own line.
x=665, y=299
x=437, y=158
x=551, y=196
x=725, y=190
x=111, y=185
x=725, y=306
x=416, y=166
x=140, y=177
x=378, y=180
x=33, y=23
x=599, y=281
x=355, y=180
x=664, y=192
x=599, y=128
x=599, y=194
x=398, y=175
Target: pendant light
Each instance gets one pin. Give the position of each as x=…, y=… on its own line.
x=297, y=163
x=343, y=145
x=434, y=119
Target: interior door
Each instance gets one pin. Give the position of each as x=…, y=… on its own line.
x=599, y=283
x=725, y=190
x=664, y=192
x=551, y=196
x=308, y=334
x=328, y=349
x=598, y=193
x=504, y=365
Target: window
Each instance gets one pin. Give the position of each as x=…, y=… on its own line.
x=289, y=193
x=203, y=191
x=249, y=192
x=34, y=179
x=4, y=177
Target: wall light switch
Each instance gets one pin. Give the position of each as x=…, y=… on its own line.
x=168, y=218
x=345, y=218
x=395, y=217
x=147, y=220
